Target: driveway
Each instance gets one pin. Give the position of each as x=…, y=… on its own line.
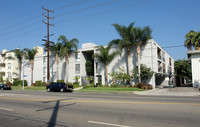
x=178, y=91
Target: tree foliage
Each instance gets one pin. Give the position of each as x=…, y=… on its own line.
x=183, y=68
x=67, y=47
x=192, y=40
x=19, y=54
x=131, y=36
x=120, y=76
x=145, y=74
x=89, y=68
x=105, y=56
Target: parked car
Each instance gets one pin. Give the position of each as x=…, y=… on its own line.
x=62, y=87
x=5, y=87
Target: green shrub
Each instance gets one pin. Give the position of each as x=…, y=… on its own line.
x=15, y=82
x=9, y=83
x=69, y=83
x=21, y=83
x=106, y=85
x=88, y=86
x=61, y=81
x=121, y=86
x=18, y=82
x=40, y=83
x=75, y=83
x=144, y=86
x=113, y=86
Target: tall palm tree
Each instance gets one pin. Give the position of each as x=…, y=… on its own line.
x=19, y=54
x=68, y=46
x=56, y=50
x=131, y=36
x=192, y=40
x=141, y=35
x=30, y=55
x=126, y=42
x=105, y=57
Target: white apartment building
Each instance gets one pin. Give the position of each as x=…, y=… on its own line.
x=8, y=65
x=152, y=55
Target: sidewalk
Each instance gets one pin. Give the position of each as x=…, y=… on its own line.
x=178, y=91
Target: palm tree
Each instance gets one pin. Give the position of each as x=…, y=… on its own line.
x=141, y=35
x=192, y=40
x=126, y=42
x=105, y=57
x=19, y=54
x=68, y=46
x=132, y=36
x=56, y=50
x=30, y=55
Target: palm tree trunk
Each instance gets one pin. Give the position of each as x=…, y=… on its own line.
x=67, y=61
x=32, y=72
x=180, y=79
x=57, y=62
x=128, y=60
x=20, y=71
x=106, y=74
x=138, y=55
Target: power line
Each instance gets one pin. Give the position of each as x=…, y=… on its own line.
x=83, y=9
x=14, y=25
x=20, y=28
x=105, y=11
x=71, y=5
x=27, y=12
x=83, y=16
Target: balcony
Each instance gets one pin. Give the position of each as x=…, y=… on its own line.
x=159, y=57
x=2, y=65
x=164, y=71
x=160, y=69
x=2, y=73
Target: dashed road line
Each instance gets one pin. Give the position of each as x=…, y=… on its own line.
x=110, y=124
x=7, y=109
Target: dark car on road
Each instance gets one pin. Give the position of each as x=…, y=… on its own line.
x=5, y=87
x=62, y=87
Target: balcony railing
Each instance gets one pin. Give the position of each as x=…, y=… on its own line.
x=159, y=57
x=159, y=69
x=164, y=71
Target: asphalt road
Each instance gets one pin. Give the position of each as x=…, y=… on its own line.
x=42, y=109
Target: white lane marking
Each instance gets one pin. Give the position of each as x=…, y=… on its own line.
x=7, y=109
x=110, y=124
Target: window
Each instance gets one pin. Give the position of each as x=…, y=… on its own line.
x=77, y=68
x=77, y=56
x=170, y=61
x=9, y=65
x=9, y=75
x=97, y=68
x=44, y=59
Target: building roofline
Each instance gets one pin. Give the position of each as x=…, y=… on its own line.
x=193, y=52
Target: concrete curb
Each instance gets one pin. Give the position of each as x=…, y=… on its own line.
x=165, y=92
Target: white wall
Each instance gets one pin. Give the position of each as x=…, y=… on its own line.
x=195, y=58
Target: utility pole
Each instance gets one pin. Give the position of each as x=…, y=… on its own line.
x=47, y=41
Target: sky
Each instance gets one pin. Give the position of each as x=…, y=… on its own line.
x=21, y=23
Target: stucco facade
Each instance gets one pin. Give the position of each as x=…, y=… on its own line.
x=195, y=60
x=152, y=55
x=8, y=65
